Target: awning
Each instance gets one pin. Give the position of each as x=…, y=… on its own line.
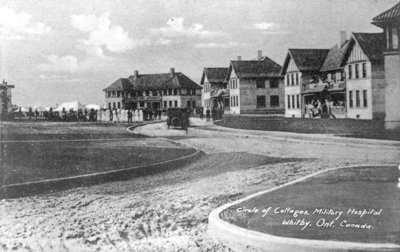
x=316, y=89
x=336, y=89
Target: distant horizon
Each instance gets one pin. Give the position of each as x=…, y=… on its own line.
x=80, y=47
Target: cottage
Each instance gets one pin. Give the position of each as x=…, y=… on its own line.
x=215, y=92
x=301, y=71
x=162, y=91
x=255, y=86
x=365, y=76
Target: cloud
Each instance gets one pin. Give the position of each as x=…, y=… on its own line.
x=102, y=33
x=55, y=63
x=266, y=26
x=176, y=28
x=15, y=25
x=219, y=45
x=269, y=28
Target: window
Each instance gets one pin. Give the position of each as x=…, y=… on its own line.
x=113, y=93
x=188, y=104
x=357, y=98
x=274, y=100
x=350, y=99
x=395, y=39
x=193, y=104
x=169, y=91
x=176, y=103
x=293, y=101
x=356, y=70
x=287, y=80
x=260, y=83
x=365, y=98
x=261, y=101
x=298, y=101
x=364, y=70
x=170, y=103
x=297, y=78
x=350, y=72
x=194, y=92
x=113, y=104
x=288, y=101
x=147, y=93
x=109, y=104
x=165, y=104
x=175, y=91
x=273, y=83
x=155, y=93
x=292, y=76
x=165, y=92
x=390, y=38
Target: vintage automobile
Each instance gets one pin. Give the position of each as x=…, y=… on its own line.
x=178, y=118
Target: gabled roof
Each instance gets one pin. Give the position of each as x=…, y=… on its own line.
x=334, y=58
x=214, y=74
x=162, y=81
x=121, y=84
x=306, y=59
x=153, y=82
x=372, y=44
x=255, y=68
x=391, y=15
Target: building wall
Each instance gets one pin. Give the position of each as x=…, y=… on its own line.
x=373, y=83
x=234, y=95
x=249, y=92
x=293, y=88
x=359, y=112
x=392, y=92
x=115, y=100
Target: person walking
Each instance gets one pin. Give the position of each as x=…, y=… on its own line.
x=36, y=114
x=129, y=116
x=30, y=113
x=201, y=113
x=208, y=114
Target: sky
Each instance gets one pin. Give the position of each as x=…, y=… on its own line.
x=56, y=51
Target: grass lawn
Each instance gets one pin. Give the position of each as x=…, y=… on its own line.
x=91, y=150
x=62, y=130
x=341, y=192
x=342, y=127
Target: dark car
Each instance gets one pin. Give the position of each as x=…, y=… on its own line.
x=178, y=118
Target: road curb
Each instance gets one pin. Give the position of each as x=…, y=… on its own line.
x=59, y=184
x=241, y=239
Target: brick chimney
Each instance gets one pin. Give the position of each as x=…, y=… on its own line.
x=136, y=74
x=343, y=38
x=239, y=58
x=172, y=72
x=259, y=54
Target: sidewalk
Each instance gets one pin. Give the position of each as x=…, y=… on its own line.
x=290, y=136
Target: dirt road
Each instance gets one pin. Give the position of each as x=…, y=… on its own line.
x=168, y=211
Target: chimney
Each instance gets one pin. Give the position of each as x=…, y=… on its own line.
x=343, y=38
x=136, y=74
x=172, y=72
x=259, y=54
x=239, y=58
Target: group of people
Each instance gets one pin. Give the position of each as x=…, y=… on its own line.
x=128, y=115
x=215, y=113
x=320, y=109
x=93, y=115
